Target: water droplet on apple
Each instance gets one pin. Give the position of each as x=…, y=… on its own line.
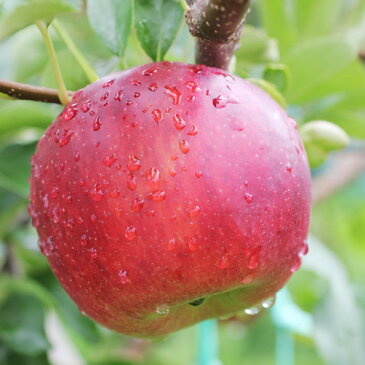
x=104, y=96
x=153, y=177
x=163, y=309
x=119, y=95
x=171, y=244
x=96, y=193
x=109, y=83
x=67, y=134
x=289, y=168
x=136, y=82
x=296, y=265
x=131, y=181
x=123, y=277
x=157, y=115
x=192, y=85
x=137, y=204
x=157, y=196
x=198, y=174
x=248, y=197
x=192, y=244
x=253, y=261
x=93, y=253
x=193, y=131
x=304, y=249
x=97, y=124
x=221, y=101
x=150, y=71
x=153, y=87
x=171, y=171
x=194, y=211
x=109, y=160
x=86, y=106
x=136, y=95
x=179, y=122
x=174, y=93
x=269, y=302
x=184, y=146
x=115, y=193
x=130, y=233
x=70, y=112
x=252, y=311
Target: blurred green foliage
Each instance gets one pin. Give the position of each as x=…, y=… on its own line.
x=306, y=53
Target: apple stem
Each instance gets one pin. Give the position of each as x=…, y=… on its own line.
x=217, y=25
x=208, y=343
x=61, y=88
x=84, y=64
x=21, y=91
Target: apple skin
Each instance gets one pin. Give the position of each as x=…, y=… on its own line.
x=168, y=183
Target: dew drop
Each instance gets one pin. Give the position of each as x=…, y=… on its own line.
x=248, y=197
x=153, y=87
x=163, y=309
x=247, y=279
x=157, y=196
x=136, y=95
x=198, y=174
x=304, y=249
x=150, y=71
x=150, y=213
x=137, y=204
x=82, y=182
x=115, y=193
x=97, y=124
x=109, y=83
x=252, y=311
x=174, y=157
x=269, y=302
x=153, y=177
x=179, y=122
x=97, y=193
x=289, y=168
x=157, y=115
x=171, y=171
x=93, y=253
x=296, y=265
x=104, y=96
x=194, y=211
x=136, y=82
x=67, y=134
x=171, y=244
x=131, y=182
x=174, y=93
x=77, y=157
x=123, y=277
x=86, y=106
x=109, y=160
x=134, y=163
x=184, y=146
x=119, y=95
x=192, y=244
x=70, y=112
x=130, y=233
x=221, y=101
x=191, y=85
x=253, y=261
x=193, y=131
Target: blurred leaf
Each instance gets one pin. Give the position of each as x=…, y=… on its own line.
x=312, y=63
x=15, y=168
x=21, y=324
x=315, y=17
x=338, y=329
x=270, y=89
x=278, y=75
x=157, y=23
x=18, y=14
x=279, y=23
x=111, y=20
x=15, y=115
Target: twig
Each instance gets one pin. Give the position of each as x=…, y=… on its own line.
x=29, y=92
x=217, y=24
x=347, y=166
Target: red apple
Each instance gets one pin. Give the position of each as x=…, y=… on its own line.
x=168, y=194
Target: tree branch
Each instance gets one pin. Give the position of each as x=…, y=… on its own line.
x=217, y=24
x=29, y=92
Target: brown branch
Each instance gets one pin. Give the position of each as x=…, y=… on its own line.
x=30, y=92
x=217, y=24
x=347, y=166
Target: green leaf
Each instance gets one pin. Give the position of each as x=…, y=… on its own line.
x=277, y=74
x=338, y=329
x=278, y=22
x=18, y=14
x=111, y=20
x=21, y=324
x=315, y=17
x=16, y=115
x=312, y=63
x=15, y=168
x=157, y=23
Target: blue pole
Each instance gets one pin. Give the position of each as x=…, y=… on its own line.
x=208, y=343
